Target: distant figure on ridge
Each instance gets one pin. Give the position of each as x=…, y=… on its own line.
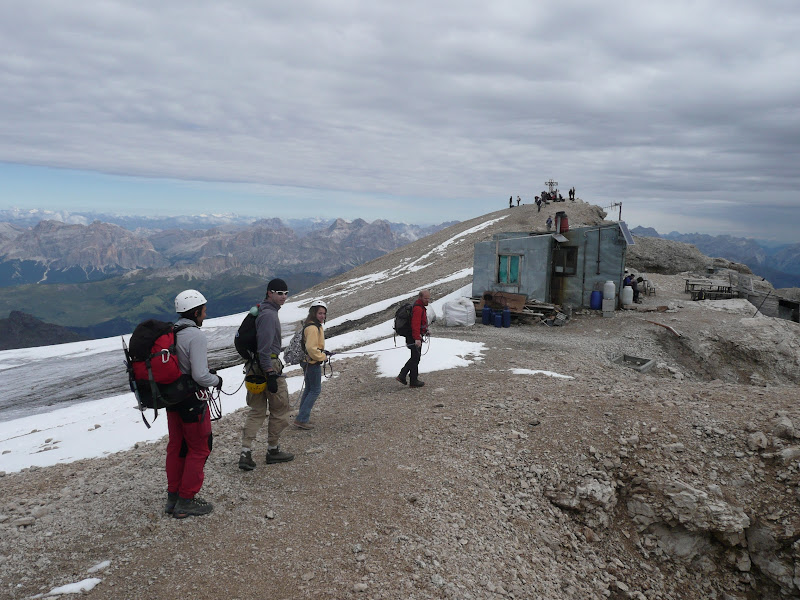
x=274, y=400
x=538, y=204
x=189, y=423
x=511, y=202
x=518, y=200
x=419, y=329
x=549, y=223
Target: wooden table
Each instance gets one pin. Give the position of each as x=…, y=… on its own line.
x=709, y=289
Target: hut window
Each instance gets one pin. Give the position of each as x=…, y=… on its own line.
x=565, y=260
x=508, y=270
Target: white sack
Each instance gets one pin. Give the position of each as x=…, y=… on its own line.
x=459, y=312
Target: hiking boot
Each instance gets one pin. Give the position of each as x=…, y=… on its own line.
x=302, y=425
x=246, y=462
x=417, y=383
x=401, y=379
x=274, y=455
x=172, y=498
x=192, y=507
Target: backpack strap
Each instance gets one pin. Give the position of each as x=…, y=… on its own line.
x=156, y=395
x=303, y=336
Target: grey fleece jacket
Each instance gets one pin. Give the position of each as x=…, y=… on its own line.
x=193, y=354
x=268, y=334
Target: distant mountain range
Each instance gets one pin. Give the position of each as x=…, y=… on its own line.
x=100, y=279
x=56, y=252
x=780, y=265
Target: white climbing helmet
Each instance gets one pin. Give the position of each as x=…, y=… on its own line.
x=319, y=303
x=187, y=300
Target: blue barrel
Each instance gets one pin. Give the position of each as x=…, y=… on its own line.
x=498, y=319
x=486, y=315
x=506, y=317
x=596, y=301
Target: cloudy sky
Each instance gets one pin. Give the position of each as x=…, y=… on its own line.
x=687, y=112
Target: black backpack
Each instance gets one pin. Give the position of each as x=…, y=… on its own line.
x=402, y=320
x=245, y=341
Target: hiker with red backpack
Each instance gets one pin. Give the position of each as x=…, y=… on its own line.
x=315, y=355
x=189, y=422
x=419, y=329
x=272, y=399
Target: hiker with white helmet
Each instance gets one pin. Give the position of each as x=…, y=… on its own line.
x=189, y=423
x=273, y=400
x=314, y=345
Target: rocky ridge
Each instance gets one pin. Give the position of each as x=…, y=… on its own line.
x=492, y=481
x=98, y=246
x=21, y=330
x=262, y=248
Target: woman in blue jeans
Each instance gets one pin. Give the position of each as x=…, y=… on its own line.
x=314, y=344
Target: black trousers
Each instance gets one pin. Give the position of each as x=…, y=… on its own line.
x=411, y=368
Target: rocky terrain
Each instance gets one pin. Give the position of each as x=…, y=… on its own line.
x=666, y=256
x=495, y=480
x=779, y=264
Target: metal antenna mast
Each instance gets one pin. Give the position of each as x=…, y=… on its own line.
x=614, y=205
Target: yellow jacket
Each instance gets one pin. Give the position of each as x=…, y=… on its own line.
x=314, y=341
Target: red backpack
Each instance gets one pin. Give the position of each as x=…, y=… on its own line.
x=153, y=371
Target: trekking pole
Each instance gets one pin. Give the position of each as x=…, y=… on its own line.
x=132, y=380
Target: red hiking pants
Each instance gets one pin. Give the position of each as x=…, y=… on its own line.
x=187, y=451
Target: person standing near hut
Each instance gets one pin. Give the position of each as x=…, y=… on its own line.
x=549, y=223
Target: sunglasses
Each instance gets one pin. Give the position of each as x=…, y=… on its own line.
x=280, y=293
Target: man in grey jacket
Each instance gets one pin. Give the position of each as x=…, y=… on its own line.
x=276, y=395
x=189, y=422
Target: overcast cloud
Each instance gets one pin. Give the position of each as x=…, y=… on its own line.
x=686, y=111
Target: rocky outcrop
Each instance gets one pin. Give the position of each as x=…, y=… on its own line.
x=98, y=247
x=21, y=330
x=9, y=232
x=657, y=255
